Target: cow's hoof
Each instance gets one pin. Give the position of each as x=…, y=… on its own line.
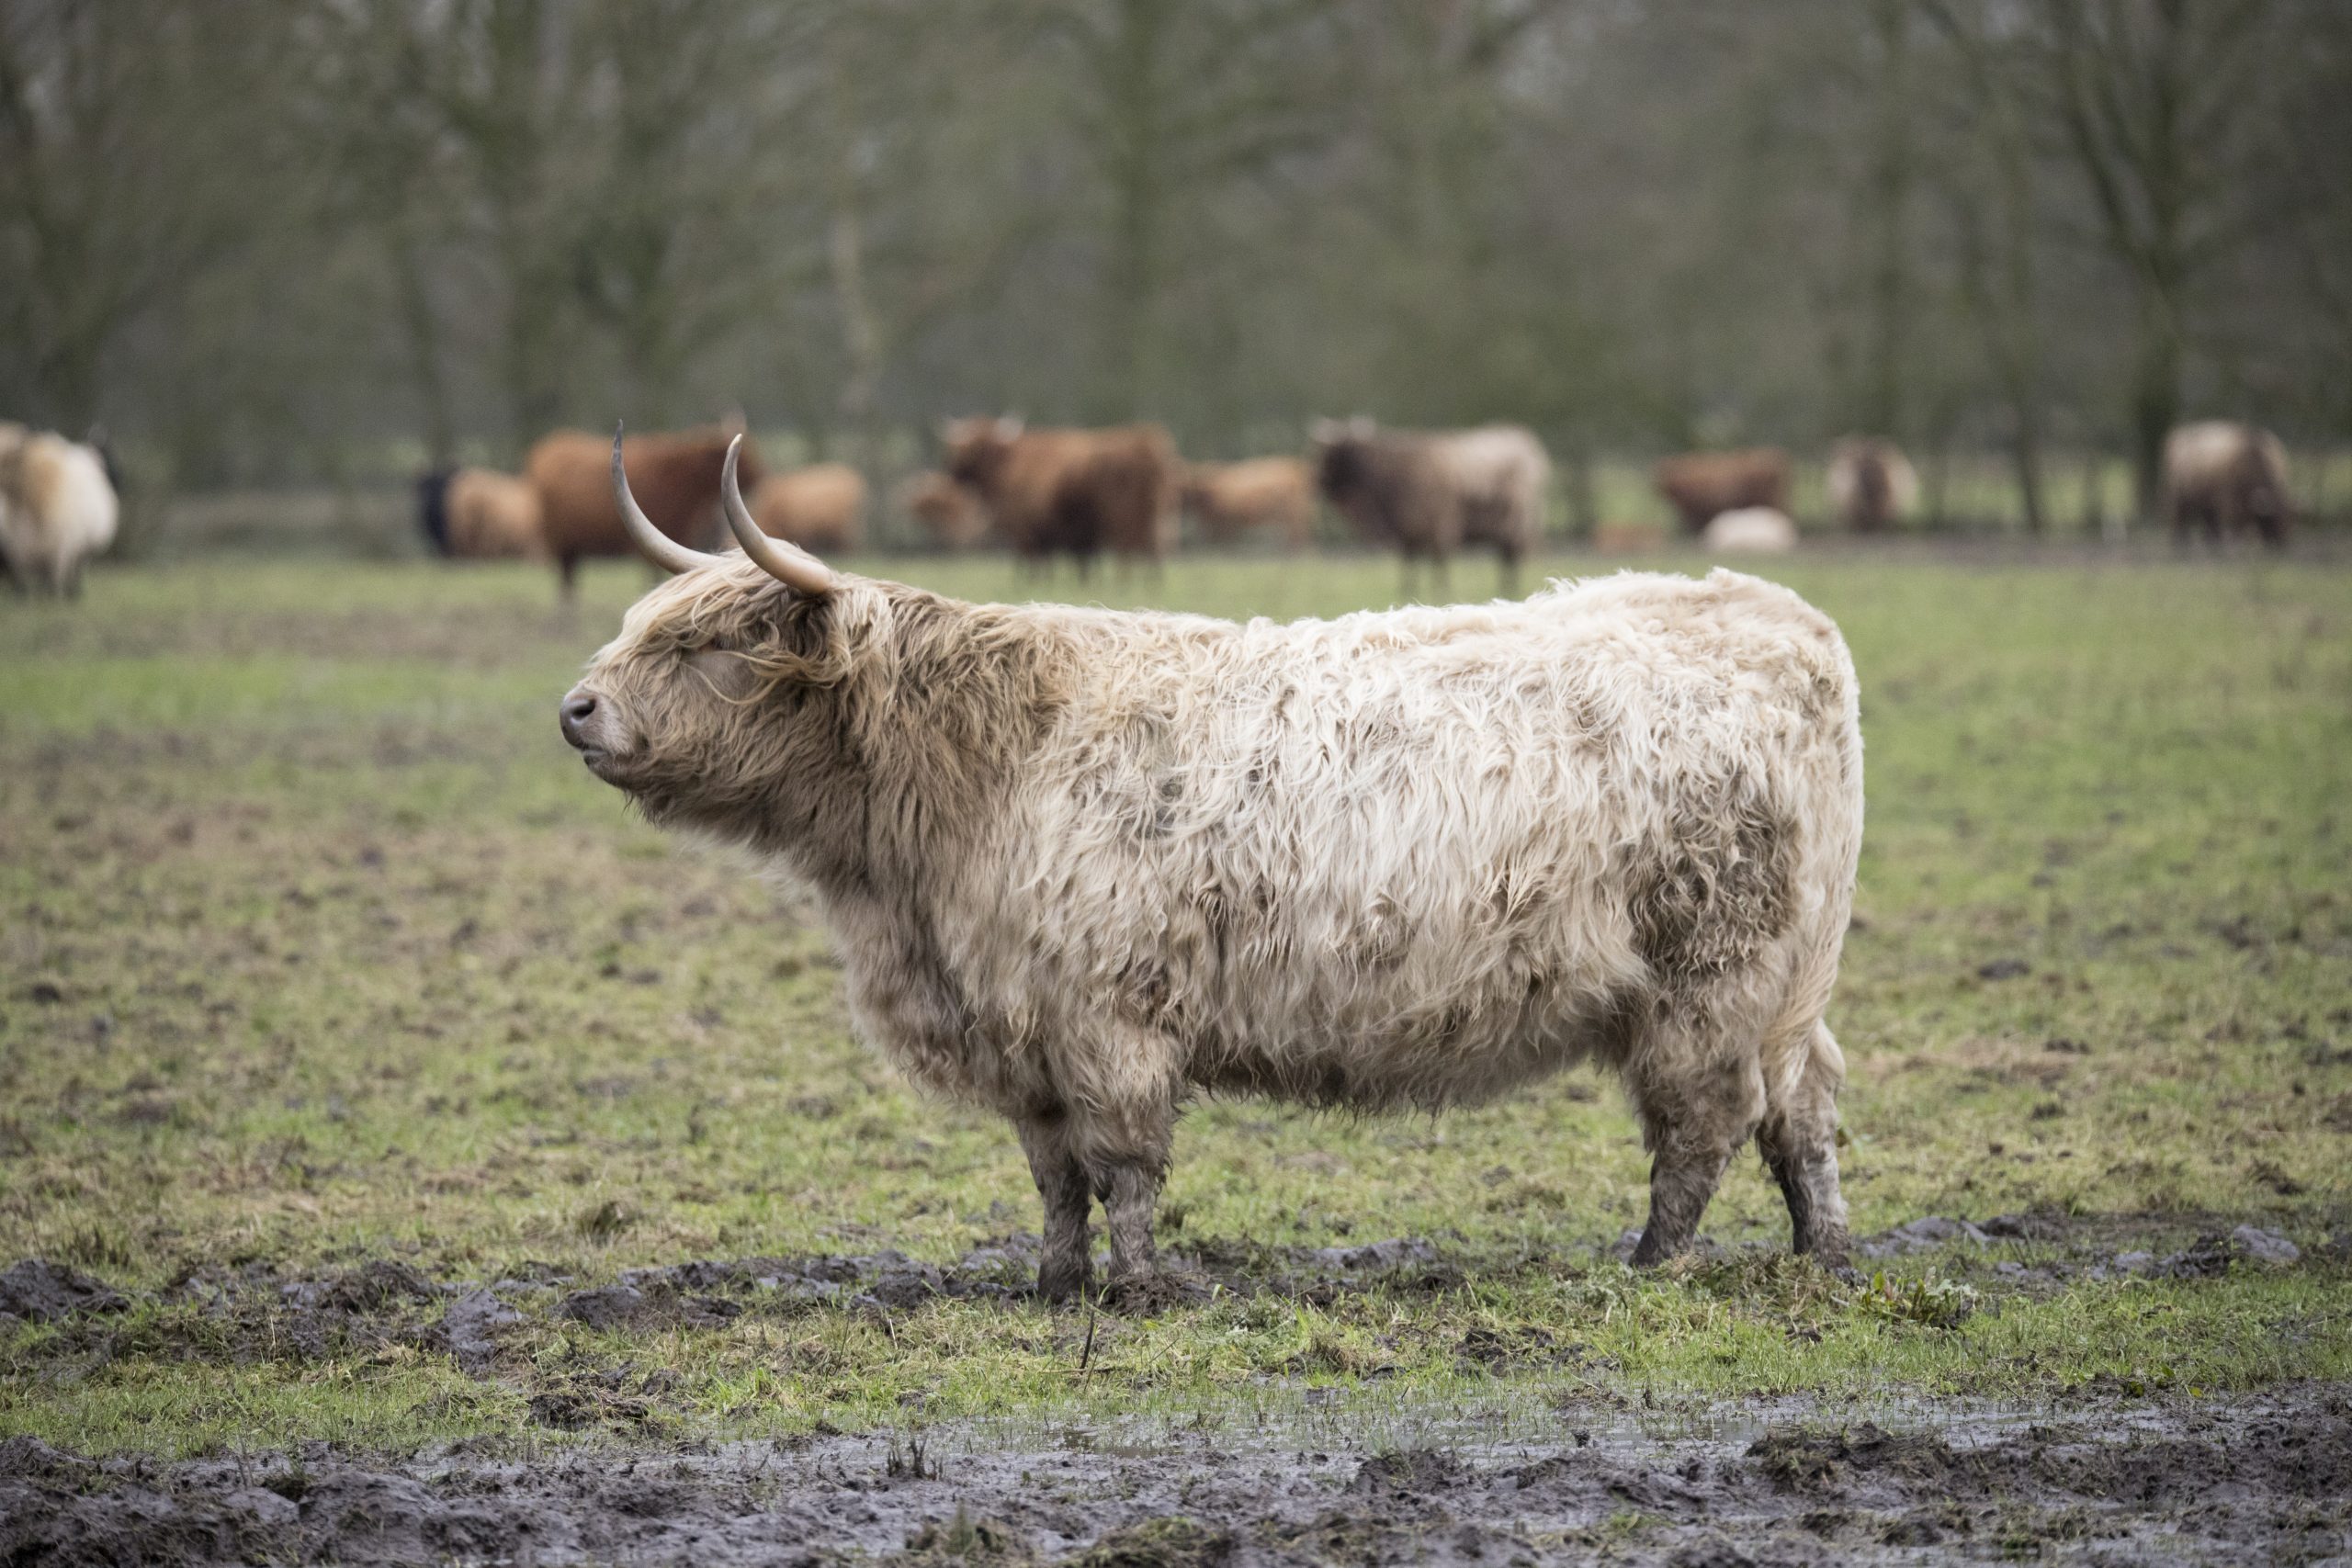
x=1140, y=1295
x=1062, y=1287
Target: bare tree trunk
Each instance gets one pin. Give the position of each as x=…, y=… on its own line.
x=1891, y=181
x=1134, y=160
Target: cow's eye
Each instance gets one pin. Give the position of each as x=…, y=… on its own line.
x=729, y=672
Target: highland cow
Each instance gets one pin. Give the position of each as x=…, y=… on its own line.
x=1084, y=865
x=821, y=507
x=1074, y=492
x=480, y=514
x=678, y=474
x=1871, y=485
x=57, y=510
x=1698, y=485
x=2227, y=477
x=1274, y=495
x=1425, y=495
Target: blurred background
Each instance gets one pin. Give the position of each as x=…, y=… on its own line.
x=291, y=253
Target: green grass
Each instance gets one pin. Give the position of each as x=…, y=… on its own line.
x=315, y=946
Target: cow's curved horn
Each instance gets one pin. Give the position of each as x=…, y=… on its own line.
x=788, y=563
x=659, y=548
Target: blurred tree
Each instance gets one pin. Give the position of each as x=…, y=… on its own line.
x=2157, y=103
x=125, y=159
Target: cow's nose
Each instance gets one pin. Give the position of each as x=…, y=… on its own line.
x=577, y=707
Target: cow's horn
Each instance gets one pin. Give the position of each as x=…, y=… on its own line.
x=659, y=548
x=788, y=563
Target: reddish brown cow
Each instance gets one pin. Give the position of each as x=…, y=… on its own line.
x=822, y=507
x=1276, y=495
x=1698, y=485
x=675, y=477
x=1070, y=492
x=950, y=514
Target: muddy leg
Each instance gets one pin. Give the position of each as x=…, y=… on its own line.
x=1065, y=1269
x=1129, y=1161
x=1693, y=1128
x=1799, y=1140
x=1133, y=1194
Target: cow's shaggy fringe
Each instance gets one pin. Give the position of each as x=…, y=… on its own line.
x=1083, y=863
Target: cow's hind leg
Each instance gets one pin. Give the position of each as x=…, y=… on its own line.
x=1066, y=1268
x=1129, y=1165
x=1799, y=1140
x=1695, y=1115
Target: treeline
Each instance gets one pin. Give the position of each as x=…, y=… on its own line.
x=276, y=240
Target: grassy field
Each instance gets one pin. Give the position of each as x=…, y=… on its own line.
x=319, y=954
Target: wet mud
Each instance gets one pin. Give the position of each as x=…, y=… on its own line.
x=599, y=1473
x=2267, y=1478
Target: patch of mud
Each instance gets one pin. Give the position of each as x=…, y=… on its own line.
x=2055, y=1249
x=41, y=1291
x=2267, y=1478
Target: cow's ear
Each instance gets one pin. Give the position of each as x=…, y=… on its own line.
x=1362, y=427
x=1010, y=427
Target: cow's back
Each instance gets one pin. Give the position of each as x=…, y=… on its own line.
x=1414, y=856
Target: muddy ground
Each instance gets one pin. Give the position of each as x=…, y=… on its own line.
x=1299, y=1476
x=2259, y=1479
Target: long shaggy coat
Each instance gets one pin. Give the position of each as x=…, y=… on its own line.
x=1083, y=864
x=57, y=508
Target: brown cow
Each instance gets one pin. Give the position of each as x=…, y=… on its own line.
x=2228, y=476
x=1428, y=492
x=1701, y=484
x=822, y=507
x=950, y=514
x=480, y=514
x=1070, y=491
x=1273, y=493
x=675, y=477
x=1872, y=484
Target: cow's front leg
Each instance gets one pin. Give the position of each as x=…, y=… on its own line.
x=1066, y=1267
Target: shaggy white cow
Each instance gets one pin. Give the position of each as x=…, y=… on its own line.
x=1083, y=864
x=57, y=508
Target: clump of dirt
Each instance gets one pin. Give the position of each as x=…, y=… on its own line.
x=2253, y=1479
x=43, y=1291
x=1813, y=1460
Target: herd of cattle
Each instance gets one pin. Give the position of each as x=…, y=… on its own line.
x=1122, y=493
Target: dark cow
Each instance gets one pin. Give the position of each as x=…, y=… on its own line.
x=1698, y=485
x=1427, y=493
x=1074, y=492
x=2226, y=478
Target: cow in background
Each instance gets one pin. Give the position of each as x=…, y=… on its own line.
x=1427, y=493
x=57, y=508
x=2228, y=477
x=480, y=514
x=1750, y=530
x=951, y=514
x=1275, y=494
x=1698, y=485
x=675, y=478
x=1871, y=485
x=1074, y=492
x=821, y=507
